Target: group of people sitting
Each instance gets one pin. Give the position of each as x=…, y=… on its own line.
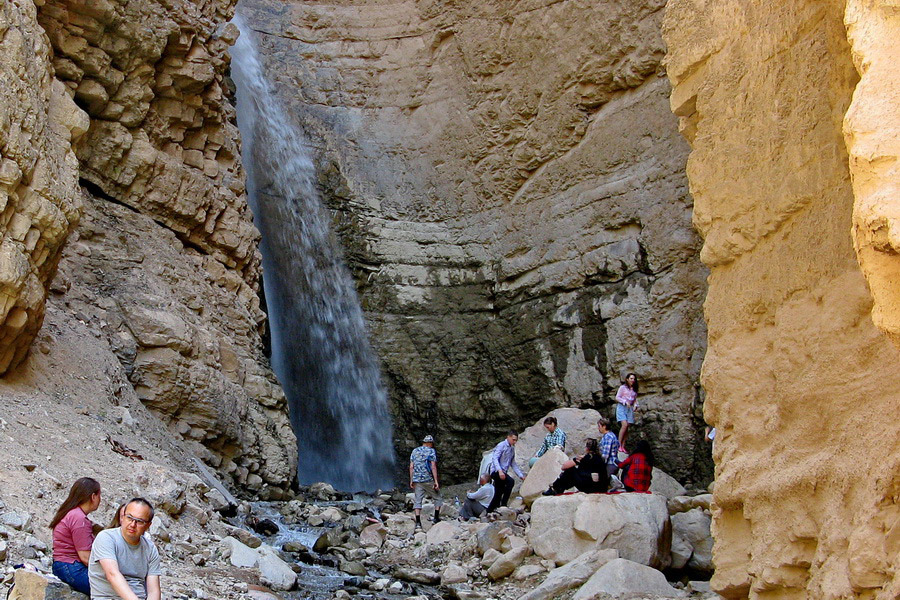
x=597, y=470
x=118, y=562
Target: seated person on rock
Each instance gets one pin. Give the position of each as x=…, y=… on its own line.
x=587, y=473
x=637, y=469
x=124, y=563
x=73, y=534
x=555, y=437
x=478, y=501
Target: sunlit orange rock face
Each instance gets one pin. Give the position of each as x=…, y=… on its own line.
x=800, y=373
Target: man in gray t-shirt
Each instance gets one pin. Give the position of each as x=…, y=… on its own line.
x=124, y=564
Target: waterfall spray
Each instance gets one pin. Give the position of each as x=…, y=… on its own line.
x=320, y=347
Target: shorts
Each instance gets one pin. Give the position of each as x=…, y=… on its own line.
x=624, y=413
x=426, y=489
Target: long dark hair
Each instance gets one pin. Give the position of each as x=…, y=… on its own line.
x=591, y=446
x=81, y=492
x=643, y=447
x=117, y=517
x=625, y=381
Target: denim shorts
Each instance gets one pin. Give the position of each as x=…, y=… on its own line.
x=624, y=413
x=75, y=574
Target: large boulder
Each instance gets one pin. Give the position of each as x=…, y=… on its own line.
x=442, y=532
x=274, y=571
x=637, y=525
x=572, y=574
x=507, y=562
x=492, y=536
x=691, y=540
x=542, y=474
x=426, y=576
x=240, y=555
x=665, y=485
x=578, y=423
x=29, y=585
x=622, y=577
x=373, y=536
x=400, y=524
x=454, y=573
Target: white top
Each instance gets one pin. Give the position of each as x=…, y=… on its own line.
x=483, y=495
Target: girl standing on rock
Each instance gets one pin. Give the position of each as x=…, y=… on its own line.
x=626, y=403
x=73, y=534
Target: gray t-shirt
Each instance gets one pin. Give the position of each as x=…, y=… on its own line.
x=135, y=563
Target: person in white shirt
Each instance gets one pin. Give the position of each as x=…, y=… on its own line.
x=478, y=501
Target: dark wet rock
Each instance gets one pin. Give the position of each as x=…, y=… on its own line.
x=262, y=526
x=294, y=547
x=353, y=567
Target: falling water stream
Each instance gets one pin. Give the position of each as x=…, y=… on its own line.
x=320, y=347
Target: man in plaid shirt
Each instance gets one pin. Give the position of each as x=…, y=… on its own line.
x=609, y=446
x=555, y=437
x=638, y=468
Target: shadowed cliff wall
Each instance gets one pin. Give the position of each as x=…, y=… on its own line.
x=801, y=384
x=508, y=183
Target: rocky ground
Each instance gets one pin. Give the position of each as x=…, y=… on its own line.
x=327, y=544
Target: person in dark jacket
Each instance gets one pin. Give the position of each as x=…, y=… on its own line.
x=587, y=473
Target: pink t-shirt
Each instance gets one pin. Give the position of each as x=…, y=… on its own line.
x=626, y=396
x=71, y=534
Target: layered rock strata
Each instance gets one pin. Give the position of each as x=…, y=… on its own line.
x=162, y=137
x=186, y=334
x=169, y=278
x=39, y=198
x=508, y=184
x=798, y=378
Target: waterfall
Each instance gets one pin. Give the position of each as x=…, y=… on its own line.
x=320, y=346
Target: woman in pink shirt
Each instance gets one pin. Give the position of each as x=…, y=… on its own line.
x=626, y=402
x=73, y=534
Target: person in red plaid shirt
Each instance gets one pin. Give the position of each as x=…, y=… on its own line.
x=638, y=468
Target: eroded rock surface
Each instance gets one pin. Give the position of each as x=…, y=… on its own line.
x=170, y=286
x=162, y=136
x=636, y=525
x=40, y=202
x=517, y=217
x=185, y=330
x=872, y=132
x=796, y=374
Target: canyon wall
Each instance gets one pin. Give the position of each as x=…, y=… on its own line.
x=163, y=267
x=508, y=183
x=39, y=198
x=800, y=381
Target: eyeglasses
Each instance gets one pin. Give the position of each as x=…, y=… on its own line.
x=136, y=520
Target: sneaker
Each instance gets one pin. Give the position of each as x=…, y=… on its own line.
x=548, y=492
x=418, y=526
x=436, y=520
